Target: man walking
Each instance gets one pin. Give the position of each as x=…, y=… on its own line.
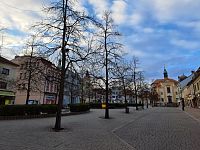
x=183, y=104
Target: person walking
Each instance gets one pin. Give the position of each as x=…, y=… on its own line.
x=183, y=104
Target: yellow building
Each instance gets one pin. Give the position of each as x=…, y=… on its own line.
x=194, y=92
x=167, y=90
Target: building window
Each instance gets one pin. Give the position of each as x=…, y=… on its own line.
x=3, y=85
x=168, y=90
x=26, y=65
x=25, y=75
x=22, y=66
x=198, y=86
x=20, y=75
x=47, y=86
x=5, y=71
x=194, y=88
x=161, y=93
x=51, y=87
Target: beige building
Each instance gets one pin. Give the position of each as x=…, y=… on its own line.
x=43, y=77
x=7, y=81
x=167, y=90
x=189, y=89
x=194, y=90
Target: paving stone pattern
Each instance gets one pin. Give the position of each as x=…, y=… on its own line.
x=163, y=129
x=149, y=129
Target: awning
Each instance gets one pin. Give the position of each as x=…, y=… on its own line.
x=7, y=93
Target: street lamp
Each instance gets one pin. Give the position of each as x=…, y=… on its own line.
x=146, y=93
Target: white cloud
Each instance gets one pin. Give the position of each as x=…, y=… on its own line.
x=135, y=18
x=190, y=45
x=99, y=6
x=135, y=52
x=148, y=30
x=193, y=25
x=172, y=10
x=17, y=17
x=118, y=9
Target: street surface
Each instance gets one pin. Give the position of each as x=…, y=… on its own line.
x=149, y=129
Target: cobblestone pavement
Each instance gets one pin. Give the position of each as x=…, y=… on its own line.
x=82, y=132
x=152, y=129
x=193, y=112
x=162, y=129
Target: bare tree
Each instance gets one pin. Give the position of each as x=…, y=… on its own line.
x=109, y=48
x=61, y=33
x=121, y=72
x=134, y=68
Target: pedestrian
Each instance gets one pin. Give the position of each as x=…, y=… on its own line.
x=183, y=104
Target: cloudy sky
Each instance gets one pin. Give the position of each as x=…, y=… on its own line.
x=159, y=32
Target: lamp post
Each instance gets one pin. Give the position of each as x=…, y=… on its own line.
x=146, y=93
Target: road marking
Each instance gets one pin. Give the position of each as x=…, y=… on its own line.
x=192, y=116
x=124, y=142
x=123, y=125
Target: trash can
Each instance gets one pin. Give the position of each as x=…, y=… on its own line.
x=103, y=105
x=127, y=110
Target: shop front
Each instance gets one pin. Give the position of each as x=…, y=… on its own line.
x=50, y=99
x=7, y=97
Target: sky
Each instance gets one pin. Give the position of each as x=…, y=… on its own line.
x=158, y=32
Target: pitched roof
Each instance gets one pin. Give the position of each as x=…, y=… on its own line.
x=6, y=61
x=194, y=77
x=157, y=81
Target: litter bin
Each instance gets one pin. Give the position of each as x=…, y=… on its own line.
x=127, y=110
x=103, y=105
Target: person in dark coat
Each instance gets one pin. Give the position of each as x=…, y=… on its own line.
x=183, y=104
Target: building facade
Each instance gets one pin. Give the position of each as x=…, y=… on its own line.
x=194, y=90
x=7, y=81
x=38, y=75
x=166, y=89
x=71, y=88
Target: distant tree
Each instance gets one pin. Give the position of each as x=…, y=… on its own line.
x=121, y=72
x=134, y=73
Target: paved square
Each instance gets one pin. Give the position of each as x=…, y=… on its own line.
x=152, y=129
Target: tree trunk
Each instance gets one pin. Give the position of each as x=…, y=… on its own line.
x=125, y=97
x=106, y=64
x=29, y=76
x=57, y=126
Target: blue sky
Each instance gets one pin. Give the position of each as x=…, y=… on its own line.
x=159, y=32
